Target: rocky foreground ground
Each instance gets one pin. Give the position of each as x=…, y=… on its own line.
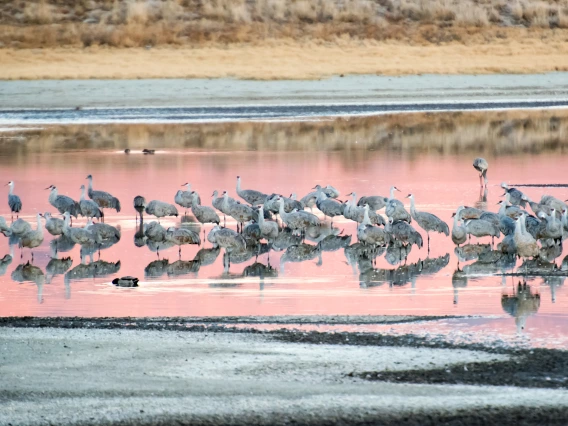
x=57, y=371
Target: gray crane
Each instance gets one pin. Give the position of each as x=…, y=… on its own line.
x=537, y=208
x=428, y=221
x=154, y=231
x=103, y=231
x=102, y=198
x=395, y=209
x=219, y=204
x=403, y=234
x=89, y=208
x=203, y=214
x=481, y=228
x=79, y=236
x=369, y=234
x=375, y=202
x=328, y=206
x=161, y=209
x=184, y=198
x=53, y=225
x=20, y=227
x=14, y=201
x=553, y=202
x=357, y=213
x=515, y=196
x=63, y=203
x=139, y=205
x=227, y=239
x=299, y=220
x=4, y=228
x=290, y=204
x=481, y=165
x=268, y=229
x=466, y=213
x=33, y=239
x=526, y=245
x=182, y=236
x=251, y=196
x=241, y=213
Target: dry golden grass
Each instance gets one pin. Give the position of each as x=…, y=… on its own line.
x=495, y=133
x=137, y=23
x=287, y=59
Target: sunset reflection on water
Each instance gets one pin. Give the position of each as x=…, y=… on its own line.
x=440, y=184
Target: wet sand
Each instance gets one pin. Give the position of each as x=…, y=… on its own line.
x=161, y=377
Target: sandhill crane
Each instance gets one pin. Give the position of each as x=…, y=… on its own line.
x=553, y=202
x=103, y=199
x=290, y=204
x=481, y=165
x=184, y=198
x=154, y=231
x=268, y=229
x=297, y=220
x=552, y=227
x=370, y=234
x=375, y=202
x=525, y=243
x=481, y=228
x=395, y=209
x=428, y=221
x=161, y=209
x=103, y=231
x=63, y=203
x=89, y=208
x=218, y=203
x=13, y=200
x=33, y=239
x=251, y=196
x=139, y=205
x=328, y=206
x=357, y=213
x=515, y=196
x=228, y=239
x=53, y=225
x=466, y=213
x=78, y=235
x=203, y=214
x=241, y=213
x=403, y=234
x=182, y=236
x=20, y=227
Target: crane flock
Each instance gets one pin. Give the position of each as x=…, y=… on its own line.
x=383, y=223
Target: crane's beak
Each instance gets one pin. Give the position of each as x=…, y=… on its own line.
x=408, y=196
x=49, y=187
x=185, y=184
x=453, y=214
x=397, y=189
x=349, y=194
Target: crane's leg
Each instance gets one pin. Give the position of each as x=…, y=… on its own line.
x=32, y=256
x=158, y=251
x=180, y=252
x=427, y=233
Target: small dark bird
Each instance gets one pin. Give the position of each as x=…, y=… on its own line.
x=148, y=151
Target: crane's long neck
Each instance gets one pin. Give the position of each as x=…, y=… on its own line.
x=519, y=226
x=225, y=201
x=90, y=184
x=53, y=195
x=238, y=185
x=412, y=205
x=456, y=220
x=82, y=194
x=354, y=198
x=392, y=193
x=503, y=208
x=281, y=209
x=260, y=216
x=11, y=189
x=39, y=224
x=523, y=224
x=195, y=201
x=366, y=220
x=215, y=197
x=66, y=221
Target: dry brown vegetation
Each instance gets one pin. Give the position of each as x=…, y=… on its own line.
x=130, y=23
x=494, y=133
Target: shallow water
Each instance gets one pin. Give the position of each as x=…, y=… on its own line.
x=440, y=183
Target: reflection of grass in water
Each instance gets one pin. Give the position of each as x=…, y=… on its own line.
x=443, y=133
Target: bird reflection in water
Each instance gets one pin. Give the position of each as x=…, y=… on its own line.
x=97, y=269
x=156, y=269
x=27, y=272
x=4, y=263
x=57, y=267
x=521, y=304
x=301, y=253
x=183, y=267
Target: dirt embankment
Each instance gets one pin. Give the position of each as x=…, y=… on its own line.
x=279, y=39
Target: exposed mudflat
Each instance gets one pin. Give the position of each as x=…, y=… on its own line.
x=86, y=376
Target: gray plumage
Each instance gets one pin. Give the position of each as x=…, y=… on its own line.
x=226, y=238
x=371, y=234
x=57, y=267
x=251, y=196
x=34, y=238
x=300, y=253
x=4, y=263
x=515, y=196
x=139, y=204
x=161, y=209
x=335, y=242
x=285, y=239
x=466, y=213
x=100, y=268
x=183, y=267
x=481, y=228
x=218, y=202
x=357, y=213
x=328, y=206
x=395, y=210
x=104, y=231
x=268, y=229
x=13, y=200
x=481, y=165
x=375, y=202
x=207, y=256
x=54, y=225
x=241, y=212
x=403, y=233
x=298, y=220
x=203, y=214
x=89, y=208
x=20, y=226
x=290, y=204
x=428, y=221
x=154, y=231
x=156, y=269
x=185, y=198
x=78, y=235
x=63, y=203
x=4, y=228
x=553, y=202
x=103, y=199
x=182, y=236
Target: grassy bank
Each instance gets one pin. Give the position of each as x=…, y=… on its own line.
x=279, y=39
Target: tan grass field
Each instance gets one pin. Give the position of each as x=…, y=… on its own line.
x=288, y=59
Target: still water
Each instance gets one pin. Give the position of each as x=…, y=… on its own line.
x=331, y=285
